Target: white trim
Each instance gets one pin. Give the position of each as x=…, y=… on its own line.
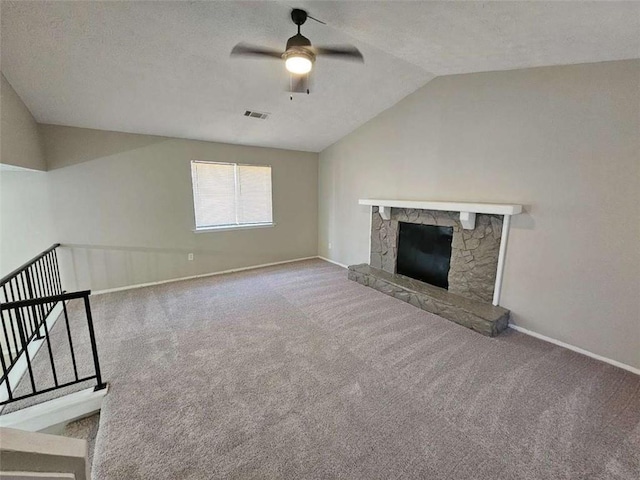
x=497, y=288
x=370, y=233
x=385, y=212
x=242, y=226
x=55, y=412
x=471, y=207
x=332, y=261
x=234, y=163
x=468, y=220
x=615, y=363
x=180, y=279
x=19, y=369
x=38, y=475
x=467, y=210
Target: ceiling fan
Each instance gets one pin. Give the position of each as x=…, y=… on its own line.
x=299, y=55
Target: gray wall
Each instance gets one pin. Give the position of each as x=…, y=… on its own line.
x=564, y=141
x=19, y=141
x=26, y=226
x=25, y=218
x=124, y=204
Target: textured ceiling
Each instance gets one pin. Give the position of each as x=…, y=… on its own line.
x=163, y=68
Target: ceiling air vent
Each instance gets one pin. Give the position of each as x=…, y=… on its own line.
x=260, y=115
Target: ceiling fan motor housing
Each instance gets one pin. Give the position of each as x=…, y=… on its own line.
x=298, y=40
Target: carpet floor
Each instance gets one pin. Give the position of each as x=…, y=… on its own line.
x=295, y=372
x=85, y=429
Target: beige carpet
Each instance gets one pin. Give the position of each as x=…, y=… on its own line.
x=85, y=429
x=295, y=372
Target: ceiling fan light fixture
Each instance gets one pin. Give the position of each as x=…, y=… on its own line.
x=299, y=63
x=299, y=54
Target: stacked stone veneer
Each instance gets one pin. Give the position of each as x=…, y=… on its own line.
x=474, y=253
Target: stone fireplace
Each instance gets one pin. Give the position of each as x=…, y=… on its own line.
x=448, y=262
x=474, y=253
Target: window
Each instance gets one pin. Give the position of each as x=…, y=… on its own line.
x=230, y=195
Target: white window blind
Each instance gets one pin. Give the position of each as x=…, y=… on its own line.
x=228, y=194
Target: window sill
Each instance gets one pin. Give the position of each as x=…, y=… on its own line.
x=248, y=226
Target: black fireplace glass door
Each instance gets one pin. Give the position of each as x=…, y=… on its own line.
x=424, y=253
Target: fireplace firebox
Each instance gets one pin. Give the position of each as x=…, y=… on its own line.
x=424, y=253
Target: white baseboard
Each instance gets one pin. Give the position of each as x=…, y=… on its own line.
x=253, y=267
x=333, y=261
x=615, y=363
x=55, y=412
x=202, y=275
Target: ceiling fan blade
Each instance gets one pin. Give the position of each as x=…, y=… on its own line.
x=315, y=19
x=251, y=50
x=347, y=52
x=299, y=83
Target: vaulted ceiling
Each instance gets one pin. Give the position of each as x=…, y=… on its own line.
x=163, y=68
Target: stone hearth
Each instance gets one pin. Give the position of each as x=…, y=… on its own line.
x=479, y=316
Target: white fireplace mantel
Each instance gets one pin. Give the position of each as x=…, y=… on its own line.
x=468, y=213
x=467, y=210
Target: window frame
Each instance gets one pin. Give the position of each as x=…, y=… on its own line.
x=238, y=226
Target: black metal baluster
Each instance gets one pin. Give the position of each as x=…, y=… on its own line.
x=6, y=293
x=13, y=288
x=13, y=299
x=73, y=355
x=26, y=352
x=28, y=321
x=40, y=293
x=34, y=312
x=34, y=281
x=52, y=274
x=47, y=267
x=6, y=337
x=57, y=265
x=52, y=289
x=15, y=324
x=12, y=326
x=48, y=340
x=5, y=374
x=47, y=279
x=43, y=282
x=25, y=292
x=37, y=280
x=94, y=348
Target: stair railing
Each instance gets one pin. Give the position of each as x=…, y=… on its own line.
x=29, y=296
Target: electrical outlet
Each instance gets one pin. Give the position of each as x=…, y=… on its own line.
x=329, y=245
x=190, y=257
